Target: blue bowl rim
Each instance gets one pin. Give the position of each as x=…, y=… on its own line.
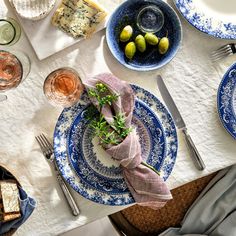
x=153, y=67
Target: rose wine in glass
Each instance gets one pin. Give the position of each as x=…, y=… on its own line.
x=14, y=67
x=11, y=70
x=63, y=87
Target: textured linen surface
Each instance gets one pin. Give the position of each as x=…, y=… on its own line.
x=191, y=79
x=214, y=211
x=146, y=186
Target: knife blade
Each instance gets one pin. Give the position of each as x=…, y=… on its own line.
x=180, y=123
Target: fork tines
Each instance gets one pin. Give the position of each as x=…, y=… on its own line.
x=224, y=51
x=45, y=145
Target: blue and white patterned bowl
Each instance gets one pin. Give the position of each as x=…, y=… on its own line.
x=126, y=14
x=226, y=101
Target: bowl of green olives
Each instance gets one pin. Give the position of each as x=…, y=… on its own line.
x=136, y=48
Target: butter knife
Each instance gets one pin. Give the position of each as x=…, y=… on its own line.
x=180, y=123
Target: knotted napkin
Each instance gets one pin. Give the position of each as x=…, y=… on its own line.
x=146, y=186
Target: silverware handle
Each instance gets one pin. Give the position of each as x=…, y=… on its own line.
x=195, y=154
x=69, y=198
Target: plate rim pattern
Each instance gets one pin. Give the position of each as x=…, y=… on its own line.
x=224, y=100
x=204, y=23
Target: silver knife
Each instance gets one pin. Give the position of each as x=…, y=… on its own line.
x=180, y=123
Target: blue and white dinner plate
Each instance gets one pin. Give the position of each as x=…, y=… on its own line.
x=226, y=101
x=214, y=17
x=90, y=170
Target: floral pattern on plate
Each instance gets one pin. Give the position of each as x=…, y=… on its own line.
x=213, y=26
x=96, y=168
x=76, y=149
x=226, y=101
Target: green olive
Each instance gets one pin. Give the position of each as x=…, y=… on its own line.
x=140, y=43
x=151, y=39
x=163, y=45
x=126, y=33
x=130, y=50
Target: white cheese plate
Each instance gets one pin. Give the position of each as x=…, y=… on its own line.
x=47, y=39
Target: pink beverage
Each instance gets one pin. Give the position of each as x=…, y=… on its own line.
x=63, y=87
x=11, y=71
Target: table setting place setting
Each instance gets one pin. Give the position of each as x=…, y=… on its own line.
x=107, y=104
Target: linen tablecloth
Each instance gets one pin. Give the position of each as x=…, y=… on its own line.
x=191, y=79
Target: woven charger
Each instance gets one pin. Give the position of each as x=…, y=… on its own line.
x=138, y=220
x=11, y=176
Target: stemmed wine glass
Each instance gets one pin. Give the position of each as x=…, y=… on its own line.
x=14, y=68
x=14, y=65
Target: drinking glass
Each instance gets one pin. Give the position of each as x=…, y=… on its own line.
x=14, y=68
x=150, y=19
x=63, y=87
x=10, y=31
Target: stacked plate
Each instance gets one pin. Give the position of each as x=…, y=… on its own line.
x=90, y=170
x=226, y=101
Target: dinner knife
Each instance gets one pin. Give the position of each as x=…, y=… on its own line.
x=180, y=123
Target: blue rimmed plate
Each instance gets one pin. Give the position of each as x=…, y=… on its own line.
x=214, y=17
x=226, y=101
x=86, y=166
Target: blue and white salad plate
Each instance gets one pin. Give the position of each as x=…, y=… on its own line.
x=214, y=17
x=226, y=101
x=90, y=171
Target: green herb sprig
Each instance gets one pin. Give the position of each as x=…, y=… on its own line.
x=109, y=134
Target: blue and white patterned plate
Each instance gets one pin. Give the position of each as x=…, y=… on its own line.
x=214, y=17
x=86, y=166
x=226, y=101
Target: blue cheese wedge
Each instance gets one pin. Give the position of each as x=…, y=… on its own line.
x=78, y=18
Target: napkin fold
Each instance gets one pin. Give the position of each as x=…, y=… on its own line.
x=146, y=186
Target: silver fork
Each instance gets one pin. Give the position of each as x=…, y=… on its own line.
x=47, y=150
x=224, y=51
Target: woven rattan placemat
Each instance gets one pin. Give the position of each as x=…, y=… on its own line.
x=155, y=221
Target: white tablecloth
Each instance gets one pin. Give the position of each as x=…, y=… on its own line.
x=191, y=79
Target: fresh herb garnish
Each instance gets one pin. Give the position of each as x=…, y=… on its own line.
x=109, y=134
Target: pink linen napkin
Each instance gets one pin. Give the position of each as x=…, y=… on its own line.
x=146, y=186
